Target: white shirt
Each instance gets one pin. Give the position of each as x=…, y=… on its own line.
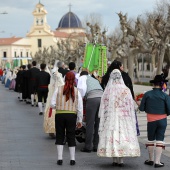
x=79, y=107
x=82, y=85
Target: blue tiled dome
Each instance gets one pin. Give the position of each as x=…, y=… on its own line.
x=70, y=20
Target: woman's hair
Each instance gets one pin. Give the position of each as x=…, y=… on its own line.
x=157, y=84
x=114, y=65
x=69, y=86
x=84, y=73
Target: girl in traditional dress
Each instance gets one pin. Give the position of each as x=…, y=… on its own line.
x=117, y=129
x=49, y=113
x=67, y=101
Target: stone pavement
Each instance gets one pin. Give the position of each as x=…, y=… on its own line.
x=25, y=146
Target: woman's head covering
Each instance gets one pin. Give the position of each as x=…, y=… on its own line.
x=69, y=86
x=114, y=65
x=115, y=79
x=55, y=67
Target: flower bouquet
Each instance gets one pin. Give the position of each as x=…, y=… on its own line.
x=139, y=97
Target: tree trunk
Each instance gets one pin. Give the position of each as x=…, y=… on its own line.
x=161, y=58
x=125, y=64
x=153, y=61
x=130, y=65
x=162, y=54
x=137, y=68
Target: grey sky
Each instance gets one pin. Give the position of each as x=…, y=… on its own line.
x=20, y=19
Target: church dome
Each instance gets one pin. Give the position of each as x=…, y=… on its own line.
x=70, y=20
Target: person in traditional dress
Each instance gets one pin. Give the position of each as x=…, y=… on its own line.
x=27, y=84
x=24, y=83
x=56, y=80
x=72, y=67
x=4, y=76
x=13, y=81
x=32, y=77
x=127, y=80
x=117, y=128
x=8, y=78
x=61, y=68
x=1, y=73
x=21, y=83
x=156, y=104
x=91, y=89
x=42, y=80
x=69, y=109
x=18, y=82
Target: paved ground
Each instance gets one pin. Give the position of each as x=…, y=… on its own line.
x=24, y=145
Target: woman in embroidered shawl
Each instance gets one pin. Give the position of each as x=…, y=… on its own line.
x=117, y=129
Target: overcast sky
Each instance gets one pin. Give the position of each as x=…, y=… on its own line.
x=19, y=19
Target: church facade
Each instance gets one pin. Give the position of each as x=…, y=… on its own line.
x=40, y=35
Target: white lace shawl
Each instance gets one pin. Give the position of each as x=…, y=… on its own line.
x=116, y=103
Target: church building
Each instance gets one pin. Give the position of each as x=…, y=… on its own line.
x=40, y=35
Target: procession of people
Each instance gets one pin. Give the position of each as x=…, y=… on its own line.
x=70, y=100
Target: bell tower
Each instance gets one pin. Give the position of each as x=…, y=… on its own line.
x=40, y=21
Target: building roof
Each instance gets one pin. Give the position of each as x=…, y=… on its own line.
x=60, y=34
x=9, y=41
x=70, y=20
x=67, y=35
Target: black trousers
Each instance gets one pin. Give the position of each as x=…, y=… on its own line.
x=65, y=123
x=42, y=94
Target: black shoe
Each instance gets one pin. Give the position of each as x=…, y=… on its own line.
x=20, y=100
x=121, y=164
x=32, y=105
x=147, y=162
x=41, y=113
x=28, y=102
x=36, y=105
x=59, y=162
x=159, y=165
x=72, y=162
x=94, y=150
x=114, y=164
x=85, y=150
